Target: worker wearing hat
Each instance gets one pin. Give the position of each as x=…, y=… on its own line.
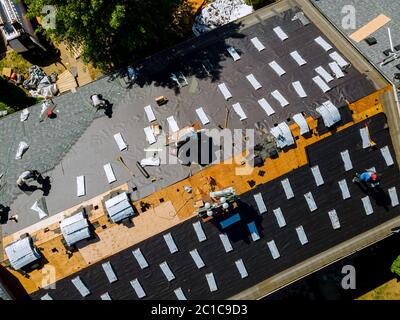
x=368, y=177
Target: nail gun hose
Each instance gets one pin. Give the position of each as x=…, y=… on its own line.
x=142, y=170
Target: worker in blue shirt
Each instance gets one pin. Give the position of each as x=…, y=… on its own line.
x=367, y=177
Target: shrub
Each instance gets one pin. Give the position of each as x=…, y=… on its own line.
x=257, y=4
x=395, y=268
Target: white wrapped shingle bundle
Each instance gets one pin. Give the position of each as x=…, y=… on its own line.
x=22, y=147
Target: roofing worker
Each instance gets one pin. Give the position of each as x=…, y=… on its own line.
x=367, y=177
x=97, y=101
x=25, y=176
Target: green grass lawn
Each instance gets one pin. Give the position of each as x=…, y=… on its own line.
x=16, y=62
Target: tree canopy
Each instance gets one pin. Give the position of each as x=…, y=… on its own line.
x=395, y=268
x=112, y=33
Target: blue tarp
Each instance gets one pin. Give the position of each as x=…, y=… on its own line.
x=231, y=220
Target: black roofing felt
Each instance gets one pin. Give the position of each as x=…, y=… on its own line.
x=255, y=255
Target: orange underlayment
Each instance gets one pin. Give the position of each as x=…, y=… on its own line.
x=175, y=207
x=370, y=28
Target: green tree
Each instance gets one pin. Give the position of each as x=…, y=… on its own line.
x=257, y=4
x=395, y=268
x=113, y=33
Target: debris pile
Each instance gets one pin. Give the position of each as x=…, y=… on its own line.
x=40, y=84
x=218, y=13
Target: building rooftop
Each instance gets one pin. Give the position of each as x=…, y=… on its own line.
x=80, y=142
x=365, y=11
x=77, y=143
x=353, y=219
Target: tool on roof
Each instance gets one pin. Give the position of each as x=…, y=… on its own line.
x=120, y=159
x=372, y=143
x=161, y=100
x=393, y=53
x=142, y=170
x=227, y=110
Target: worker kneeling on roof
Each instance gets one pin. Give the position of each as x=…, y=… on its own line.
x=26, y=176
x=97, y=101
x=368, y=177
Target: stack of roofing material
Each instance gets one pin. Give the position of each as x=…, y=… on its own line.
x=302, y=123
x=75, y=228
x=299, y=89
x=283, y=135
x=280, y=219
x=80, y=286
x=298, y=58
x=234, y=54
x=179, y=294
x=339, y=59
x=273, y=249
x=80, y=185
x=202, y=115
x=149, y=113
x=330, y=114
x=22, y=147
x=239, y=111
x=257, y=43
x=280, y=98
x=180, y=79
x=120, y=141
x=119, y=207
x=260, y=203
x=336, y=69
x=218, y=13
x=21, y=253
x=109, y=173
x=280, y=33
x=266, y=106
x=310, y=201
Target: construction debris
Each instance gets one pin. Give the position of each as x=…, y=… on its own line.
x=40, y=84
x=219, y=13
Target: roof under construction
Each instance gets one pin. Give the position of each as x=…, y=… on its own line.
x=281, y=75
x=223, y=253
x=77, y=134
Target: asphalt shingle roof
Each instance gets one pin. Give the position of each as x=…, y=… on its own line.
x=365, y=11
